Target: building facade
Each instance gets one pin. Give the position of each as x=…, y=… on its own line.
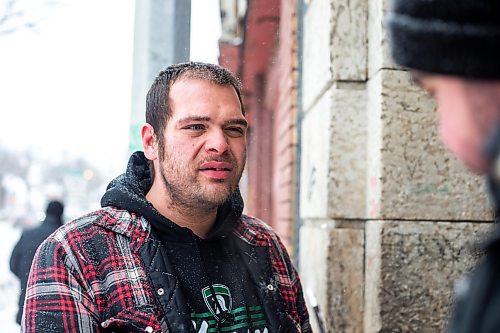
x=344, y=155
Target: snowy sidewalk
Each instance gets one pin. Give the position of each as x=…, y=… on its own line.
x=9, y=285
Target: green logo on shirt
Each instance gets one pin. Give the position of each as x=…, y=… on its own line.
x=222, y=297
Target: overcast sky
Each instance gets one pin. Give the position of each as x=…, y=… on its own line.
x=65, y=86
x=65, y=89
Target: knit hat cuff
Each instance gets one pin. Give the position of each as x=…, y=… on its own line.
x=435, y=46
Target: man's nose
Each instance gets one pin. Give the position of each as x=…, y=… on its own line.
x=217, y=142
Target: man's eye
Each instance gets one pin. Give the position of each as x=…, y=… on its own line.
x=195, y=127
x=235, y=131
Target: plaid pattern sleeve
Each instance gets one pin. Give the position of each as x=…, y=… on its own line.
x=88, y=277
x=258, y=233
x=57, y=298
x=290, y=284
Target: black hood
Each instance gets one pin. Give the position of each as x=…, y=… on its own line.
x=128, y=191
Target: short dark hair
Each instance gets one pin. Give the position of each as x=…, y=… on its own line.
x=158, y=110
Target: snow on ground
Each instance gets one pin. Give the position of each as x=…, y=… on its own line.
x=9, y=284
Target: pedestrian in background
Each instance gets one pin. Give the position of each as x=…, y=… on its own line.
x=452, y=48
x=171, y=250
x=24, y=251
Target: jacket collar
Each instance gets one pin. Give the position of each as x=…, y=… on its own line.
x=122, y=222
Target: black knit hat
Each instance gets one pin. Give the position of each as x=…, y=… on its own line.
x=451, y=37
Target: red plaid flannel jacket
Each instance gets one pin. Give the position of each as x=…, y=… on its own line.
x=89, y=273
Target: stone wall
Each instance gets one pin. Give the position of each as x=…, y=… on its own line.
x=389, y=214
x=411, y=268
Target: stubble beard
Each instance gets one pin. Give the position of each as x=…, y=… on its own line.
x=185, y=189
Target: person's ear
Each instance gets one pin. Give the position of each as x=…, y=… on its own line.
x=149, y=142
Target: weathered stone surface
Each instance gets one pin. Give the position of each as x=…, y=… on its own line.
x=379, y=56
x=331, y=267
x=411, y=175
x=315, y=147
x=316, y=62
x=333, y=171
x=347, y=166
x=410, y=271
x=349, y=39
x=339, y=26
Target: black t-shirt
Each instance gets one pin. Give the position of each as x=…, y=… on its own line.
x=205, y=267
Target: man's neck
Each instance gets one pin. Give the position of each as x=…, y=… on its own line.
x=200, y=221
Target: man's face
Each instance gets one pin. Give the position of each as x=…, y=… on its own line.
x=204, y=144
x=469, y=114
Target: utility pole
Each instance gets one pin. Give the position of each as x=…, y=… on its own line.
x=161, y=38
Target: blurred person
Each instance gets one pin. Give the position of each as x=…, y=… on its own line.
x=170, y=250
x=452, y=48
x=25, y=248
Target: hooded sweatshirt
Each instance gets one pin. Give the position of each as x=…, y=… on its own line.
x=219, y=292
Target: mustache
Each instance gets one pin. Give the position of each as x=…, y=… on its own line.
x=226, y=157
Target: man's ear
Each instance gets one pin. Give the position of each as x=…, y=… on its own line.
x=149, y=142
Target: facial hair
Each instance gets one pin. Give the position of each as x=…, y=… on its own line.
x=183, y=185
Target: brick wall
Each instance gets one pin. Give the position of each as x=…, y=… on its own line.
x=281, y=100
x=267, y=64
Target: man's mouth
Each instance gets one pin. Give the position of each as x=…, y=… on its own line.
x=216, y=170
x=218, y=166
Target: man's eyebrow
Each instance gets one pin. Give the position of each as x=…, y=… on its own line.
x=238, y=121
x=187, y=120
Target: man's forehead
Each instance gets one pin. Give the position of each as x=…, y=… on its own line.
x=428, y=81
x=200, y=112
x=431, y=81
x=191, y=100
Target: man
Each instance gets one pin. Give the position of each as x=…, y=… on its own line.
x=24, y=251
x=171, y=251
x=452, y=48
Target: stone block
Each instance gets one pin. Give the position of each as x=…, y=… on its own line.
x=410, y=173
x=316, y=62
x=411, y=268
x=333, y=170
x=349, y=39
x=331, y=268
x=315, y=148
x=335, y=33
x=347, y=162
